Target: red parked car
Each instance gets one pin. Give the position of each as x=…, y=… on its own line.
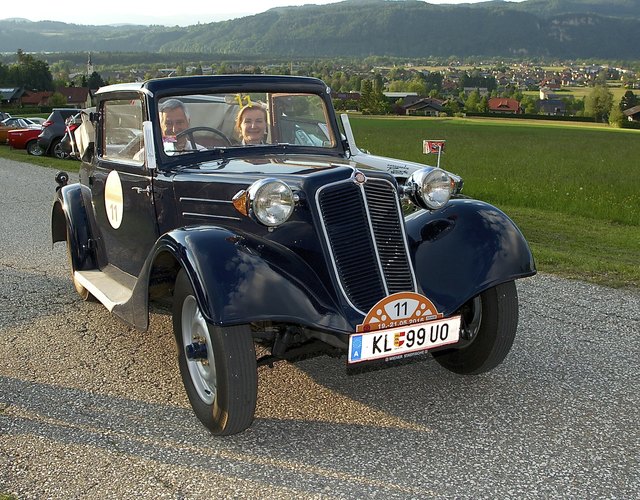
x=25, y=138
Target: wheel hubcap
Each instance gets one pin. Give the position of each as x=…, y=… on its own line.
x=198, y=350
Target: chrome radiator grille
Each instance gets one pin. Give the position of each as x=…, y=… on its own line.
x=364, y=230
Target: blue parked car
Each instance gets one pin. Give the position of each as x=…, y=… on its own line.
x=244, y=202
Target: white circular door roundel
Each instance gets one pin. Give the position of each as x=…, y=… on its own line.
x=113, y=201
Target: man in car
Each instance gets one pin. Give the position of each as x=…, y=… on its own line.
x=174, y=118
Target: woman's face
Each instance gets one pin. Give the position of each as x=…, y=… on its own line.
x=253, y=126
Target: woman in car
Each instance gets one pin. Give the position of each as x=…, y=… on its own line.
x=251, y=123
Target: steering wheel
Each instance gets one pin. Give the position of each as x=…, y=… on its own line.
x=190, y=131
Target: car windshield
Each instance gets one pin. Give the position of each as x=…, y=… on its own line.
x=193, y=123
x=17, y=122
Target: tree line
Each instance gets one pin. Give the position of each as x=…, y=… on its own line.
x=35, y=74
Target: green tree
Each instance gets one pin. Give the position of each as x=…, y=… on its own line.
x=95, y=81
x=616, y=117
x=452, y=107
x=433, y=81
x=354, y=83
x=471, y=105
x=629, y=100
x=30, y=73
x=57, y=100
x=378, y=84
x=366, y=97
x=598, y=103
x=376, y=102
x=574, y=106
x=417, y=85
x=601, y=79
x=528, y=103
x=397, y=86
x=483, y=105
x=477, y=81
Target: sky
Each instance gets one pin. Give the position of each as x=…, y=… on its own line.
x=183, y=13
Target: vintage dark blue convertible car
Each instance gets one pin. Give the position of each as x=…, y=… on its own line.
x=246, y=205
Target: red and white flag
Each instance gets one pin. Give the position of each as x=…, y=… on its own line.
x=432, y=147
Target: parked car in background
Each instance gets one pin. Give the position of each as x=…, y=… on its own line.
x=25, y=138
x=14, y=123
x=36, y=119
x=4, y=116
x=67, y=147
x=54, y=128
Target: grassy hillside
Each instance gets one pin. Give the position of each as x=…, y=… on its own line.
x=605, y=29
x=573, y=190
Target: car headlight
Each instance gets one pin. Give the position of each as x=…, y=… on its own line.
x=269, y=201
x=429, y=188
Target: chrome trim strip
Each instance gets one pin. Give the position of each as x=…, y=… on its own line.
x=404, y=234
x=203, y=200
x=210, y=216
x=326, y=238
x=373, y=237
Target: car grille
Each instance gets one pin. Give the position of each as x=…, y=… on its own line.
x=364, y=229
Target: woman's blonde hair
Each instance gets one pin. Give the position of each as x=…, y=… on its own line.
x=251, y=105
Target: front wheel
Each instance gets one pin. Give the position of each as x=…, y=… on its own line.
x=489, y=324
x=217, y=365
x=59, y=151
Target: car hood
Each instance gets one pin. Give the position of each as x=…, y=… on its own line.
x=280, y=165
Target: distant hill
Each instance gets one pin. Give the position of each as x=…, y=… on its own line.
x=607, y=29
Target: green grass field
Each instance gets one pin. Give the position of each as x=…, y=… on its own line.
x=43, y=161
x=617, y=90
x=574, y=190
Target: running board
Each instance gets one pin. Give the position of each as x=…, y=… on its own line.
x=112, y=287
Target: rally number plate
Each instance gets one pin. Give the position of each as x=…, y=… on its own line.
x=398, y=342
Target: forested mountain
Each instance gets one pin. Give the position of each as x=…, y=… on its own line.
x=354, y=28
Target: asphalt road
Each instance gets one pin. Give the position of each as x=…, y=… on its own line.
x=90, y=408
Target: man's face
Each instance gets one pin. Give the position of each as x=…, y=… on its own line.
x=172, y=122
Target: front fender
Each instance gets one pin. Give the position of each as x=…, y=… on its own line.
x=239, y=278
x=69, y=219
x=464, y=249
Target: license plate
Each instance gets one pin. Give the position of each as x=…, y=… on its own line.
x=400, y=341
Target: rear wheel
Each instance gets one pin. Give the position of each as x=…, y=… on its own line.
x=59, y=152
x=217, y=365
x=489, y=323
x=33, y=148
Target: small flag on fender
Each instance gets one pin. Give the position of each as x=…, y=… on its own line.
x=432, y=147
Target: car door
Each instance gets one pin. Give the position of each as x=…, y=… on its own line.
x=121, y=185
